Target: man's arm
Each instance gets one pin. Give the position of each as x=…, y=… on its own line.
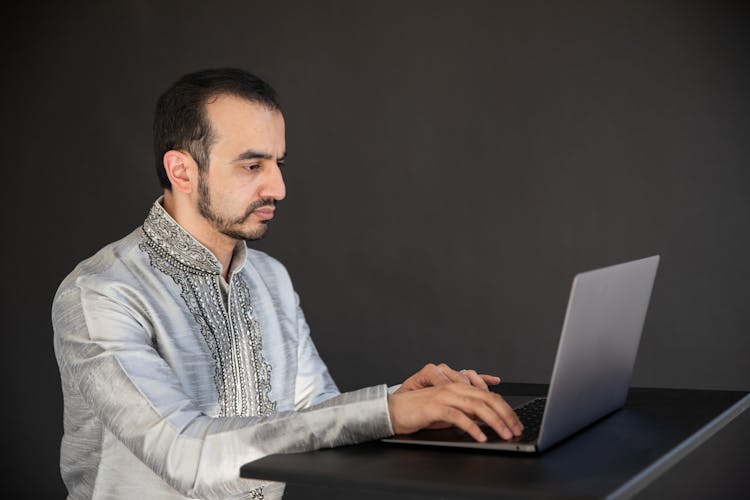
x=313, y=382
x=436, y=396
x=105, y=354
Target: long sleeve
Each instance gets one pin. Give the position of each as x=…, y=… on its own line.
x=114, y=375
x=314, y=384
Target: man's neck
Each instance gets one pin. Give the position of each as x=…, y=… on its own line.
x=221, y=245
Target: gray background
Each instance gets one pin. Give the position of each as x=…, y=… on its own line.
x=451, y=166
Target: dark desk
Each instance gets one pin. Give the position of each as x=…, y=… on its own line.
x=615, y=458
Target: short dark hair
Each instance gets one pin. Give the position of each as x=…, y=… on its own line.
x=180, y=120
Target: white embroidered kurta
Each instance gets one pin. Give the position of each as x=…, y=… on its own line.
x=172, y=379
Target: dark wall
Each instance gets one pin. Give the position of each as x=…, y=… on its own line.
x=452, y=165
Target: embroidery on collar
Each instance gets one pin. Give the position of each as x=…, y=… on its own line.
x=164, y=231
x=232, y=334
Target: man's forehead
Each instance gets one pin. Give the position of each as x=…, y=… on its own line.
x=239, y=120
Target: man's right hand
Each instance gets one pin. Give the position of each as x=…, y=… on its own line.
x=456, y=404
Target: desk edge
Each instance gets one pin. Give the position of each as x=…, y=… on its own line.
x=650, y=473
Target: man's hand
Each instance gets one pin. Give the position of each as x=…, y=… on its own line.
x=434, y=375
x=455, y=403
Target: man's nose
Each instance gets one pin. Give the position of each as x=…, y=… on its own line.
x=274, y=186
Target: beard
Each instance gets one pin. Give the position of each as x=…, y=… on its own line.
x=231, y=227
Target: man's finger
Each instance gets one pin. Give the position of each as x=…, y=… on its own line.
x=475, y=379
x=503, y=409
x=460, y=420
x=453, y=375
x=491, y=408
x=505, y=423
x=430, y=375
x=434, y=376
x=485, y=412
x=490, y=379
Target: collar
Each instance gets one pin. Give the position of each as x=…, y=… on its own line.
x=175, y=241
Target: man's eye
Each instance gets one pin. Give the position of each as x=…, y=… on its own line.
x=254, y=166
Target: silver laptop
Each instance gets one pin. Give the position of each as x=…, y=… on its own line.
x=594, y=362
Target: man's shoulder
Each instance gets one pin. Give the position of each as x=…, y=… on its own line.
x=269, y=269
x=107, y=264
x=264, y=264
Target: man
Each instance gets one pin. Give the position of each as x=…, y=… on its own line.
x=183, y=354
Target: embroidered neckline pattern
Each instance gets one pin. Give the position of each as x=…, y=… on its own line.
x=241, y=310
x=231, y=332
x=177, y=243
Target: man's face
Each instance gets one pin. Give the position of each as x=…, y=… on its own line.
x=239, y=189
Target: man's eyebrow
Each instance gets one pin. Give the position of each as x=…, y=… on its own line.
x=252, y=154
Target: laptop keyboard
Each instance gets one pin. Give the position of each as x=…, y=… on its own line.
x=530, y=415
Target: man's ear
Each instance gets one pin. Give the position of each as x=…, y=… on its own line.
x=181, y=170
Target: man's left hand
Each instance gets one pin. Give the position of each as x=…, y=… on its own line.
x=442, y=374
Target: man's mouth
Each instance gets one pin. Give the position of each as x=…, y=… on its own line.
x=264, y=213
